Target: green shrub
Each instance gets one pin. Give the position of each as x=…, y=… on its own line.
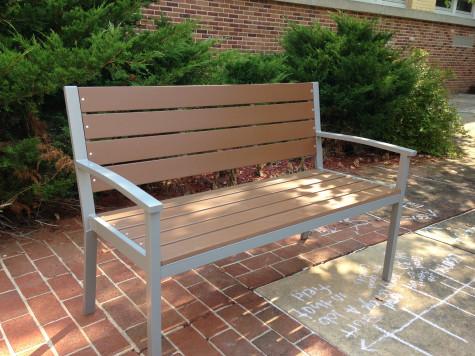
x=368, y=88
x=234, y=67
x=47, y=44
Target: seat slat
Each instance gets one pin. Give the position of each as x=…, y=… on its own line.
x=157, y=122
x=100, y=99
x=184, y=166
x=178, y=250
x=221, y=192
x=203, y=227
x=119, y=150
x=175, y=250
x=215, y=207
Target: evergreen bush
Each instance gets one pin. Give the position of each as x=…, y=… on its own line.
x=370, y=89
x=46, y=44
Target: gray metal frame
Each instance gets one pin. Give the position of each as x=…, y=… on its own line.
x=148, y=258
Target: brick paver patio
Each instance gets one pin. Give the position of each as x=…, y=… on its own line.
x=209, y=311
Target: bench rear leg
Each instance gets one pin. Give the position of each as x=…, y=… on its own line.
x=305, y=235
x=90, y=263
x=396, y=212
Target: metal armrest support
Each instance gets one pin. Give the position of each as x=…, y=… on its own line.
x=368, y=142
x=405, y=153
x=129, y=189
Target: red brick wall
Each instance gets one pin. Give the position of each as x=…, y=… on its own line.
x=257, y=26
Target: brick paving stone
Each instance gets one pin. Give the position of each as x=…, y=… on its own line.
x=65, y=336
x=135, y=290
x=117, y=271
x=246, y=298
x=232, y=259
x=373, y=225
x=175, y=294
x=31, y=285
x=50, y=267
x=105, y=290
x=76, y=265
x=283, y=324
x=230, y=343
x=75, y=307
x=194, y=310
x=124, y=313
x=259, y=277
x=236, y=269
x=46, y=308
x=321, y=255
x=3, y=348
x=216, y=276
x=104, y=254
x=243, y=321
x=106, y=338
x=167, y=348
x=291, y=266
x=77, y=236
x=290, y=251
x=273, y=344
x=348, y=246
x=343, y=235
x=37, y=249
x=18, y=265
x=138, y=334
x=89, y=351
x=316, y=346
x=263, y=249
x=170, y=318
x=5, y=283
x=9, y=247
x=289, y=240
x=188, y=278
x=260, y=261
x=11, y=305
x=22, y=333
x=65, y=286
x=372, y=238
x=189, y=342
x=209, y=295
x=209, y=325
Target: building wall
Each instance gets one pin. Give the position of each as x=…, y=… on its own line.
x=257, y=25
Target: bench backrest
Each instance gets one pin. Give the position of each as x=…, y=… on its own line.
x=149, y=134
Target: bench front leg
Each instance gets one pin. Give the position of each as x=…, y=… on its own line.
x=396, y=213
x=152, y=255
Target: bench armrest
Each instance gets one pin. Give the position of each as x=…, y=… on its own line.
x=129, y=189
x=366, y=141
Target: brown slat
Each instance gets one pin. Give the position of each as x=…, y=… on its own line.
x=205, y=227
x=186, y=248
x=95, y=99
x=169, y=168
x=174, y=251
x=155, y=122
x=216, y=206
x=221, y=192
x=140, y=148
x=198, y=217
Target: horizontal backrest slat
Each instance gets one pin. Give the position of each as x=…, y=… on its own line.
x=183, y=166
x=101, y=99
x=155, y=122
x=148, y=147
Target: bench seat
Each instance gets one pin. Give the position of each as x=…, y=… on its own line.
x=201, y=222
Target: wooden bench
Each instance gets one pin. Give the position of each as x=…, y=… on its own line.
x=126, y=136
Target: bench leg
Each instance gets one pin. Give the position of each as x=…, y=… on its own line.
x=392, y=241
x=154, y=322
x=154, y=301
x=90, y=263
x=305, y=235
